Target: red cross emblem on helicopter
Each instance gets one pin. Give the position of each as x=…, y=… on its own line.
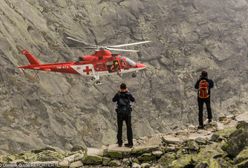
x=87, y=70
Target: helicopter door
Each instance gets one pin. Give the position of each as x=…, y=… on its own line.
x=113, y=66
x=109, y=66
x=116, y=65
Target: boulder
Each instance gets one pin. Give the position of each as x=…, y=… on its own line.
x=243, y=164
x=145, y=165
x=75, y=157
x=146, y=157
x=242, y=125
x=192, y=146
x=105, y=161
x=170, y=148
x=210, y=151
x=78, y=148
x=237, y=141
x=27, y=156
x=135, y=160
x=242, y=117
x=144, y=149
x=3, y=159
x=166, y=140
x=10, y=158
x=127, y=161
x=184, y=161
x=136, y=165
x=114, y=163
x=92, y=160
x=214, y=163
x=50, y=155
x=201, y=141
x=222, y=134
x=76, y=164
x=114, y=154
x=242, y=156
x=95, y=151
x=117, y=153
x=157, y=153
x=64, y=163
x=202, y=165
x=167, y=159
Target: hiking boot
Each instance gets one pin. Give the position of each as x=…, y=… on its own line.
x=119, y=144
x=200, y=127
x=128, y=145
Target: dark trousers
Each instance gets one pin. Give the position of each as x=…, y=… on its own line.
x=200, y=105
x=127, y=119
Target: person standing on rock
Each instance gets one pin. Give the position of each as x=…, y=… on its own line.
x=124, y=109
x=204, y=86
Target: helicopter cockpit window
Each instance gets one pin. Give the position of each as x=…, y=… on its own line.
x=130, y=62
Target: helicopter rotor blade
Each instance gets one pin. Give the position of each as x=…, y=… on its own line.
x=112, y=47
x=118, y=49
x=129, y=44
x=80, y=41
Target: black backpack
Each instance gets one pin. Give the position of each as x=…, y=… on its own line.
x=124, y=106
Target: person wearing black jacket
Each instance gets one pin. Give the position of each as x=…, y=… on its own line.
x=123, y=99
x=201, y=101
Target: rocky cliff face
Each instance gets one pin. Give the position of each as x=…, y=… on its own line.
x=64, y=110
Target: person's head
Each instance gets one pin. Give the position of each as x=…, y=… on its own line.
x=204, y=74
x=123, y=86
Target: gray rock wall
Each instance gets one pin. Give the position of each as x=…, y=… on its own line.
x=64, y=110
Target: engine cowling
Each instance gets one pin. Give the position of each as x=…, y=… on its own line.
x=87, y=58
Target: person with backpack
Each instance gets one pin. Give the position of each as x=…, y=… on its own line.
x=124, y=109
x=204, y=86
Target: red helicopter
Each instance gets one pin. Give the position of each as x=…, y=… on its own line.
x=101, y=63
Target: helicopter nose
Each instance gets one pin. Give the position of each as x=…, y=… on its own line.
x=141, y=66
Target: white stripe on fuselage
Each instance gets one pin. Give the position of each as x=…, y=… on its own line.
x=104, y=73
x=81, y=69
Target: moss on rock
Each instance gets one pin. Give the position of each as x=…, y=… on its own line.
x=210, y=151
x=146, y=157
x=192, y=146
x=114, y=163
x=243, y=164
x=50, y=156
x=237, y=142
x=92, y=160
x=214, y=163
x=143, y=149
x=167, y=159
x=222, y=134
x=182, y=162
x=27, y=156
x=242, y=156
x=114, y=154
